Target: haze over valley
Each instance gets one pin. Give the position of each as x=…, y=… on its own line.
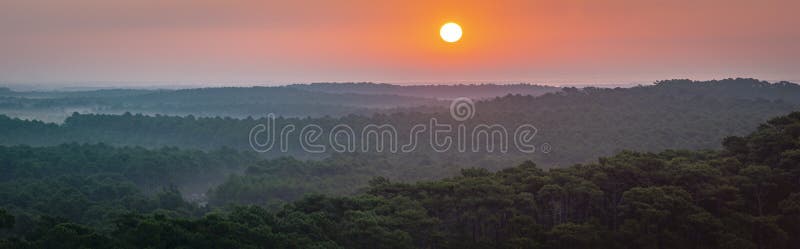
x=351, y=124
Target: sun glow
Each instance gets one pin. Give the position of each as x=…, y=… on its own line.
x=450, y=32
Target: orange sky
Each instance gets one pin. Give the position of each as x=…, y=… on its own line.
x=240, y=41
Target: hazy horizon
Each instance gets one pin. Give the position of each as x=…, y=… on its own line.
x=212, y=42
x=399, y=124
x=96, y=85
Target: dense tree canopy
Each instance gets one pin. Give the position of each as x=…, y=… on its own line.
x=669, y=175
x=746, y=195
x=579, y=124
x=90, y=184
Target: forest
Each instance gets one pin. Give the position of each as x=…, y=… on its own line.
x=676, y=164
x=298, y=100
x=745, y=195
x=238, y=102
x=580, y=124
x=399, y=124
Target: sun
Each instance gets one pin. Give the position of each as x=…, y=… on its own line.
x=450, y=32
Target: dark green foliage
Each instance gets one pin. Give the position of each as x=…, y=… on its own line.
x=287, y=179
x=746, y=195
x=673, y=199
x=90, y=184
x=150, y=169
x=6, y=220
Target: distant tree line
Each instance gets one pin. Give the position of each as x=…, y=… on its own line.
x=238, y=102
x=440, y=91
x=580, y=124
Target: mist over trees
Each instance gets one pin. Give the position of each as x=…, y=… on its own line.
x=239, y=102
x=678, y=164
x=298, y=100
x=743, y=196
x=580, y=124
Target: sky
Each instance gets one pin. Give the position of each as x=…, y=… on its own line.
x=279, y=42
